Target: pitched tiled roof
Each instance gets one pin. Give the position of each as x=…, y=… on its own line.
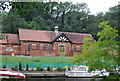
x=77, y=37
x=36, y=35
x=10, y=38
x=49, y=36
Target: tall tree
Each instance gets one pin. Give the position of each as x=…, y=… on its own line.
x=101, y=54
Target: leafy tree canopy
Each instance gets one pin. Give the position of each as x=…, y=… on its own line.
x=101, y=54
x=45, y=15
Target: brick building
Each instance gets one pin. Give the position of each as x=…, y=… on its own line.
x=42, y=43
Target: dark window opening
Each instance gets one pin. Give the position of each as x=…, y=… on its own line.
x=74, y=48
x=37, y=47
x=29, y=47
x=45, y=47
x=51, y=47
x=81, y=48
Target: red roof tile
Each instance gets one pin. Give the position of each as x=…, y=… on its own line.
x=77, y=37
x=36, y=35
x=10, y=38
x=49, y=36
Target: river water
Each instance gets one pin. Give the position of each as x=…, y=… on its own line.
x=57, y=79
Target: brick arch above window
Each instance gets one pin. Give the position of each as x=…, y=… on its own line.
x=9, y=48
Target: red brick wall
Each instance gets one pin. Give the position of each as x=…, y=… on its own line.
x=78, y=51
x=4, y=52
x=34, y=51
x=23, y=49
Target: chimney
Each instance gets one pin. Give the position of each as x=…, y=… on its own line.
x=56, y=30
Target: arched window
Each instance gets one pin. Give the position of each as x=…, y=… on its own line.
x=9, y=48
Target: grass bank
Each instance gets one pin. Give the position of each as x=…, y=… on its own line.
x=33, y=59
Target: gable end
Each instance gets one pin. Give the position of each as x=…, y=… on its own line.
x=62, y=38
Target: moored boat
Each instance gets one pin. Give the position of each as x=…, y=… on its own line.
x=7, y=73
x=82, y=71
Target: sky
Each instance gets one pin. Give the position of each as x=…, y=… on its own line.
x=97, y=5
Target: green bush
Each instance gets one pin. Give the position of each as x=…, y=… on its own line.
x=4, y=66
x=48, y=68
x=36, y=61
x=38, y=67
x=14, y=68
x=60, y=69
x=20, y=66
x=32, y=70
x=27, y=67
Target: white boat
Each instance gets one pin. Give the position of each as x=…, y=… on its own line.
x=82, y=71
x=7, y=73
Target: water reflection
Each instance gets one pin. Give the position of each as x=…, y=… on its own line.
x=54, y=79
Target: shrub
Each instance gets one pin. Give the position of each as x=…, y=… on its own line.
x=32, y=70
x=65, y=68
x=27, y=67
x=14, y=68
x=4, y=66
x=38, y=67
x=36, y=61
x=20, y=66
x=60, y=69
x=48, y=68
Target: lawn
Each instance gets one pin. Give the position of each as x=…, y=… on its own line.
x=30, y=59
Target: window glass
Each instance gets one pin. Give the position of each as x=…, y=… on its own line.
x=62, y=48
x=29, y=47
x=37, y=47
x=80, y=48
x=74, y=48
x=51, y=47
x=9, y=48
x=45, y=47
x=82, y=69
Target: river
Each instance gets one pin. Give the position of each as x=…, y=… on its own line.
x=57, y=79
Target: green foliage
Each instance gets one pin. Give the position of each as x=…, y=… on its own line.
x=36, y=60
x=27, y=67
x=113, y=77
x=101, y=54
x=1, y=37
x=4, y=66
x=66, y=15
x=108, y=32
x=12, y=21
x=60, y=69
x=38, y=67
x=20, y=66
x=32, y=70
x=14, y=68
x=48, y=68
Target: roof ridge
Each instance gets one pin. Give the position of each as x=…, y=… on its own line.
x=75, y=33
x=35, y=30
x=53, y=31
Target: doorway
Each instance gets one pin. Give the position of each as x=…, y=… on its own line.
x=62, y=50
